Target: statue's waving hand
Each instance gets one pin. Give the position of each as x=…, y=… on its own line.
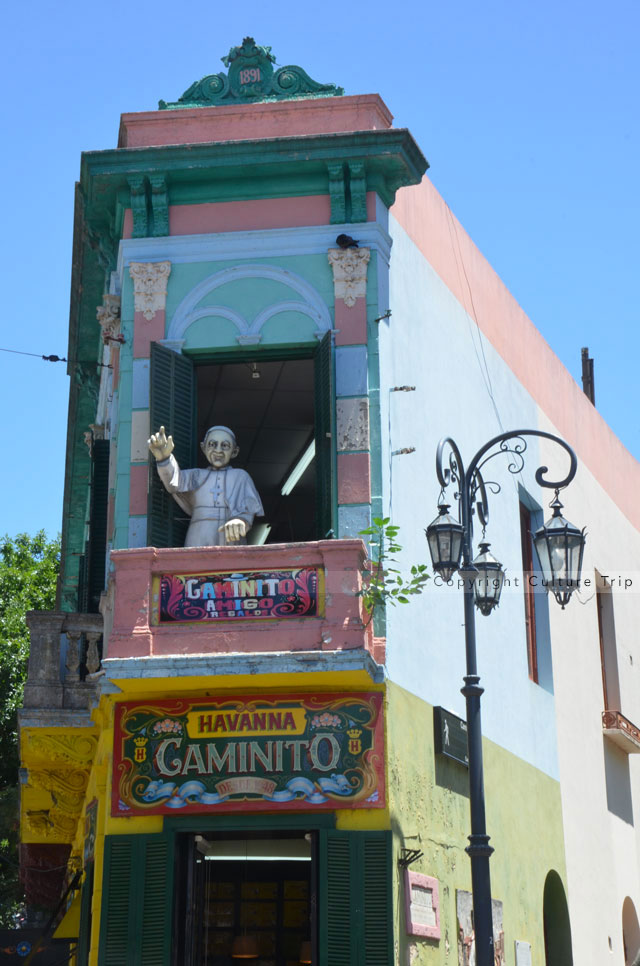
x=161, y=445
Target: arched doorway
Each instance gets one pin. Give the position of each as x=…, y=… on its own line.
x=557, y=928
x=630, y=932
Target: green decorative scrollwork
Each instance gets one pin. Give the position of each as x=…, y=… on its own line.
x=251, y=78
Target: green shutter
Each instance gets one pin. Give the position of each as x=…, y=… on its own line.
x=355, y=915
x=117, y=902
x=335, y=938
x=325, y=438
x=96, y=559
x=156, y=918
x=172, y=405
x=137, y=898
x=83, y=592
x=376, y=864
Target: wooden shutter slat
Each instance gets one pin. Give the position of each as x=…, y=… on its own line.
x=172, y=405
x=337, y=897
x=154, y=909
x=356, y=921
x=377, y=921
x=97, y=548
x=324, y=437
x=116, y=912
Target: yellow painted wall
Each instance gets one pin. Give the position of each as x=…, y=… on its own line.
x=429, y=810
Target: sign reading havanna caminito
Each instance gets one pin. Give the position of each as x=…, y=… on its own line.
x=311, y=751
x=263, y=595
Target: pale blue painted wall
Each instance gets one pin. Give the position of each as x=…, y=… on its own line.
x=431, y=343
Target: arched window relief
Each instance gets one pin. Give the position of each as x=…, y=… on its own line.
x=301, y=298
x=557, y=927
x=630, y=933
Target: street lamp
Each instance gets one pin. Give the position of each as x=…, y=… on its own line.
x=560, y=547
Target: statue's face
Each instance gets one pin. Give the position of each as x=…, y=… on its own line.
x=219, y=448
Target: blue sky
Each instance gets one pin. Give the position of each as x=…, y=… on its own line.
x=527, y=113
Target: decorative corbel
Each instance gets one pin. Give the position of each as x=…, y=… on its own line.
x=349, y=273
x=108, y=315
x=150, y=286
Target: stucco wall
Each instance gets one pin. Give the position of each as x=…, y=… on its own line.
x=429, y=808
x=471, y=381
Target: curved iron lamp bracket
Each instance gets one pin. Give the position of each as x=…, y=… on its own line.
x=470, y=482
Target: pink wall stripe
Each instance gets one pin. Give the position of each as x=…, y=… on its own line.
x=145, y=332
x=351, y=322
x=354, y=484
x=249, y=215
x=138, y=481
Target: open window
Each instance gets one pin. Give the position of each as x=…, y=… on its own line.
x=608, y=650
x=535, y=598
x=280, y=406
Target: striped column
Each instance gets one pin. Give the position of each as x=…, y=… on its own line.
x=150, y=300
x=352, y=405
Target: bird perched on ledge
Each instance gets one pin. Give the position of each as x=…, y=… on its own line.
x=346, y=241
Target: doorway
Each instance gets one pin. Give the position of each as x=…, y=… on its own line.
x=247, y=899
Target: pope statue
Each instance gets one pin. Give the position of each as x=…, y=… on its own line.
x=221, y=500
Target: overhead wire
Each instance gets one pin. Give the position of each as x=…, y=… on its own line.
x=19, y=352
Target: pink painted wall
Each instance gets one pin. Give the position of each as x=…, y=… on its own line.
x=138, y=481
x=146, y=331
x=249, y=215
x=254, y=215
x=354, y=484
x=342, y=626
x=351, y=322
x=240, y=122
x=429, y=222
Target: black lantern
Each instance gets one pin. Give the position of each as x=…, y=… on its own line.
x=487, y=583
x=560, y=547
x=444, y=537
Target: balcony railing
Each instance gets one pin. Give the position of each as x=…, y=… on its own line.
x=64, y=659
x=230, y=600
x=621, y=731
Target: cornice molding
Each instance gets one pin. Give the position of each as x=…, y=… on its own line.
x=248, y=245
x=196, y=666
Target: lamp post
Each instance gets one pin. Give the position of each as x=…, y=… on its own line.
x=560, y=547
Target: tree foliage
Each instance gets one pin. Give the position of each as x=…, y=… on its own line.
x=28, y=573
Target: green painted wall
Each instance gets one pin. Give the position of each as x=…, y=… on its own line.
x=430, y=811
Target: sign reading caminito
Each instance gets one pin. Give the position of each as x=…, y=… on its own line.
x=255, y=595
x=312, y=751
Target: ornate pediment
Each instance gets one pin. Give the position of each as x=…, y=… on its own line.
x=251, y=77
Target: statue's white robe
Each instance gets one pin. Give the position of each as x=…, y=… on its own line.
x=211, y=497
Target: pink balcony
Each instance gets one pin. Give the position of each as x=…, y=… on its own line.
x=224, y=600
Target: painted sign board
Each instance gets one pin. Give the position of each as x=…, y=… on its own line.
x=260, y=753
x=450, y=736
x=422, y=905
x=226, y=596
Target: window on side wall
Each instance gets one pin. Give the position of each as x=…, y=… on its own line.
x=535, y=600
x=608, y=654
